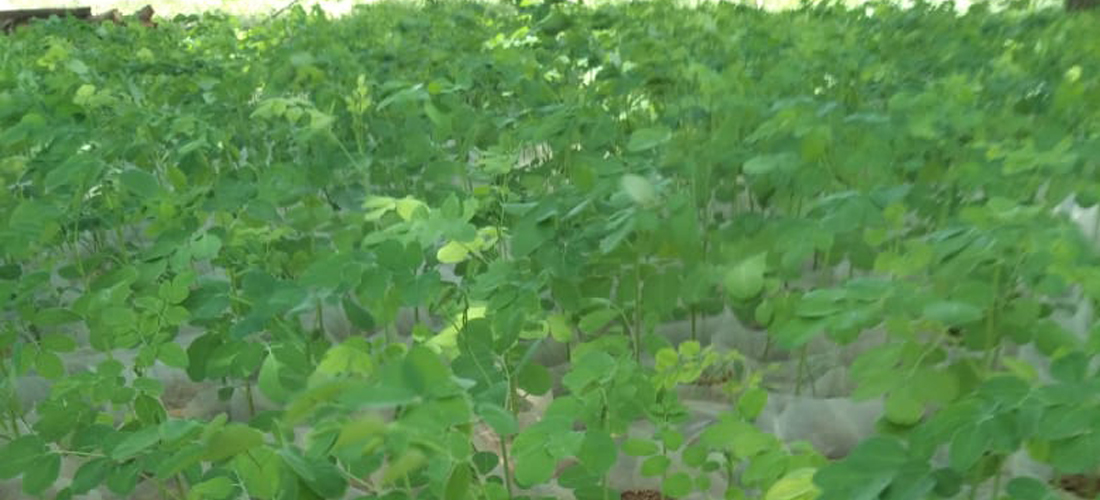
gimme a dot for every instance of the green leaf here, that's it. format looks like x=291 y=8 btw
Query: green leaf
x=452 y=253
x=1070 y=368
x=216 y=487
x=752 y=402
x=739 y=437
x=655 y=465
x=123 y=479
x=592 y=367
x=637 y=447
x=666 y=359
x=458 y=484
x=140 y=182
x=595 y=321
x=863 y=474
x=399 y=469
x=359 y=431
x=319 y=475
x=359 y=316
x=172 y=354
x=967 y=447
x=677 y=485
x=90 y=475
x=41 y=473
x=172 y=431
x=821 y=303
x=1029 y=488
x=598 y=452
x=534 y=466
x=135 y=443
x=745 y=280
x=695 y=455
x=951 y=313
x=268 y=381
x=648 y=138
x=179 y=460
x=149 y=410
x=903 y=409
x=55 y=316
x=18 y=455
x=58 y=343
x=230 y=441
x=485 y=461
x=534 y=379
x=500 y=420
x=1077 y=455
x=350 y=357
x=671 y=439
x=206 y=247
x=639 y=189
x=425 y=373
x=766 y=164
x=934 y=385
x=49 y=365
x=797 y=332
x=796 y=485
x=565 y=444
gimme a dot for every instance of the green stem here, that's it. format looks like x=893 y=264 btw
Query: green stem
x=694 y=332
x=801 y=367
x=507 y=465
x=251 y=400
x=320 y=321
x=637 y=333
x=991 y=354
x=997 y=483
x=729 y=470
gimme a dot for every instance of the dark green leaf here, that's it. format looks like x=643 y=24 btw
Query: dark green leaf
x=321 y=476
x=90 y=475
x=1028 y=488
x=41 y=473
x=135 y=443
x=140 y=182
x=534 y=379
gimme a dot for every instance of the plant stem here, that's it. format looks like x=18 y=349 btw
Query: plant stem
x=14 y=422
x=798 y=375
x=637 y=308
x=997 y=483
x=991 y=356
x=729 y=470
x=251 y=399
x=507 y=465
x=694 y=333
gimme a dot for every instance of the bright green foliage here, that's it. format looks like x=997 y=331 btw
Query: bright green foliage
x=534 y=177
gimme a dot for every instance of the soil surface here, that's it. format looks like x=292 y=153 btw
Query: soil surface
x=1080 y=485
